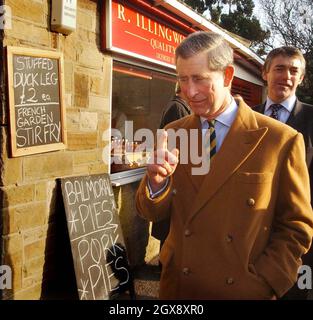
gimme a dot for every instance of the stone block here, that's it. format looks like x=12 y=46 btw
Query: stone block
x=12 y=259
x=107 y=65
x=33 y=267
x=35 y=234
x=104 y=129
x=68 y=100
x=89 y=56
x=85 y=157
x=34 y=250
x=88 y=5
x=11 y=172
x=4 y=142
x=99 y=103
x=82 y=141
x=98 y=168
x=94 y=37
x=32 y=280
x=72 y=120
x=56 y=164
x=32 y=293
x=83 y=35
x=81 y=170
x=23 y=217
x=81 y=90
x=84 y=19
x=88 y=121
x=15 y=195
x=68 y=77
x=21 y=30
x=12 y=249
x=41 y=191
x=32 y=11
x=97 y=85
x=70 y=47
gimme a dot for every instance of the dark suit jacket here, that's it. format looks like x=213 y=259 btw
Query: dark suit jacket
x=177 y=108
x=301 y=119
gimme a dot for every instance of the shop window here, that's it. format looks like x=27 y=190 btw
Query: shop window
x=251 y=93
x=138 y=97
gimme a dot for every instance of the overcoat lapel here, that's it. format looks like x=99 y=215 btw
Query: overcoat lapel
x=241 y=140
x=194 y=146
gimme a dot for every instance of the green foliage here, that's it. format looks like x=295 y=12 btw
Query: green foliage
x=239 y=19
x=197 y=5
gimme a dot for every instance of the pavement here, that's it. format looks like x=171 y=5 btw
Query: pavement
x=146 y=278
x=147 y=282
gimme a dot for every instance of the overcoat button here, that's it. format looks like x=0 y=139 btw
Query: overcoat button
x=187 y=233
x=229 y=238
x=174 y=191
x=251 y=202
x=186 y=271
x=230 y=281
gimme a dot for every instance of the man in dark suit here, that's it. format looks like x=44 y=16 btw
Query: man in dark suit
x=175 y=109
x=284 y=70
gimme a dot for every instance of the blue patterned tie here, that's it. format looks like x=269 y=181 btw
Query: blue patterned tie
x=275 y=108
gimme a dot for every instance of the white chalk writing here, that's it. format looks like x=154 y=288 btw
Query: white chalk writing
x=95 y=236
x=37 y=113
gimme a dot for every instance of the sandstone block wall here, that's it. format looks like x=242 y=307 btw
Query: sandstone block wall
x=30 y=199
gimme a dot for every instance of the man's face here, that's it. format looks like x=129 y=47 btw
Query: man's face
x=206 y=91
x=283 y=77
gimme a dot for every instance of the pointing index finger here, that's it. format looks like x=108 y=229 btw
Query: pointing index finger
x=163 y=140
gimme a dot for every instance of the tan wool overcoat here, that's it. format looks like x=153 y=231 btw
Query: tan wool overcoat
x=239 y=231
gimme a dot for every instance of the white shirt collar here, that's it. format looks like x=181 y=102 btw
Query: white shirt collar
x=288 y=104
x=228 y=116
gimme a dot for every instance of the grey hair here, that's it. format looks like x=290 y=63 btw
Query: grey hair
x=219 y=53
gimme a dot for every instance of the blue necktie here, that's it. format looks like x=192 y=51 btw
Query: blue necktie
x=275 y=108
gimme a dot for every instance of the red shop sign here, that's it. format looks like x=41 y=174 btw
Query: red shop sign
x=135 y=34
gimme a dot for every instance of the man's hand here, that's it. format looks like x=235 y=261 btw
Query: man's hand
x=162 y=164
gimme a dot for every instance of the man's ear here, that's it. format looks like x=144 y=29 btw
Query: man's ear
x=264 y=75
x=229 y=75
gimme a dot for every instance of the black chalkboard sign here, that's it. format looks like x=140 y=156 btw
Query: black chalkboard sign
x=98 y=248
x=37 y=114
